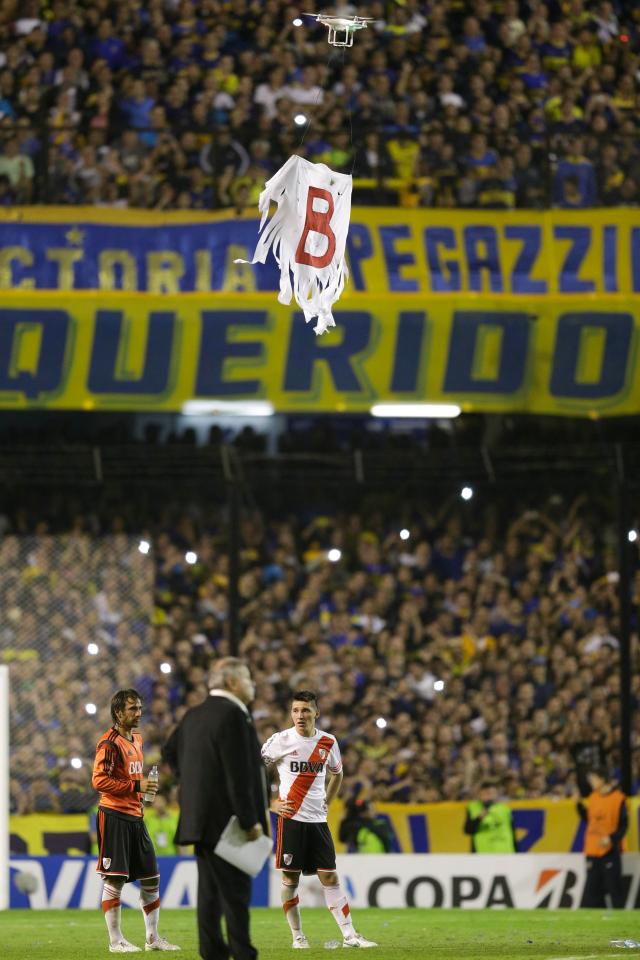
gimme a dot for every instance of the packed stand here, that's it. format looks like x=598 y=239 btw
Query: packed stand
x=469 y=649
x=185 y=105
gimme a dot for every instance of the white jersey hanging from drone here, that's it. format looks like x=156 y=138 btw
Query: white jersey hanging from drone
x=307 y=234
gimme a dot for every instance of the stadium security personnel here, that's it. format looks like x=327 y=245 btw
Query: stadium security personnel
x=162 y=824
x=364 y=830
x=605 y=811
x=489 y=823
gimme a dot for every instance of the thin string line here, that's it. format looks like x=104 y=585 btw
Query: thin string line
x=349 y=114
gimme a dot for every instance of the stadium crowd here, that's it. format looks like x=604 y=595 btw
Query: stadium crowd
x=192 y=105
x=474 y=647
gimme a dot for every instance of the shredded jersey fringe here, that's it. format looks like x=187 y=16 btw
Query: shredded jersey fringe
x=307 y=234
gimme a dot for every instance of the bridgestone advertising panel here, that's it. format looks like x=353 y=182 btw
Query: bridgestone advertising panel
x=530 y=881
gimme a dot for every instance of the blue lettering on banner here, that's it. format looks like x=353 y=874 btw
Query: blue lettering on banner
x=92 y=239
x=419 y=829
x=216 y=349
x=463 y=252
x=579 y=242
x=435 y=237
x=106 y=347
x=481 y=248
x=521 y=279
x=532 y=821
x=359 y=248
x=407 y=361
x=465 y=329
x=395 y=261
x=305 y=352
x=55 y=882
x=610 y=259
x=48 y=375
x=618 y=328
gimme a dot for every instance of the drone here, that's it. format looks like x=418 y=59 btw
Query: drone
x=341 y=29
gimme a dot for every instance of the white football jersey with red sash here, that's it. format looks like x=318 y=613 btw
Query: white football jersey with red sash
x=302 y=764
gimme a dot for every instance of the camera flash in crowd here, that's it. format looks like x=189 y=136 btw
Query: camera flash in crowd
x=466 y=493
x=381 y=723
x=404 y=534
x=76 y=763
x=93 y=649
x=438 y=686
x=191 y=557
x=300 y=119
x=165 y=667
x=144 y=546
x=90 y=708
x=334 y=555
x=632 y=536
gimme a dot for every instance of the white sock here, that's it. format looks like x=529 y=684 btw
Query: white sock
x=290 y=901
x=111 y=908
x=150 y=903
x=339 y=906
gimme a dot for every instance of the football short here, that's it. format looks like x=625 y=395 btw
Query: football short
x=125 y=848
x=304 y=846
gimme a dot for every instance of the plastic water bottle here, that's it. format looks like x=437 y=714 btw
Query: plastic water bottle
x=153 y=777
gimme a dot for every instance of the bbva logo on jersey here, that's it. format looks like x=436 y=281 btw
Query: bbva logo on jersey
x=135 y=767
x=306 y=766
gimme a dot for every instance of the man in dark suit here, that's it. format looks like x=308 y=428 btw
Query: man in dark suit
x=215 y=754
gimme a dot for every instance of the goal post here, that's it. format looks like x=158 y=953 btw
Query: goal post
x=4 y=788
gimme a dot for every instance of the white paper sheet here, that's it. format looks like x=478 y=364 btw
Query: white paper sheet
x=247 y=855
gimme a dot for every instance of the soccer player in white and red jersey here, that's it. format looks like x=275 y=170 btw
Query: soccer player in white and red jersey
x=310 y=769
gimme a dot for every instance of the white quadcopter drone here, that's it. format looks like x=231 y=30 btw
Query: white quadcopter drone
x=341 y=29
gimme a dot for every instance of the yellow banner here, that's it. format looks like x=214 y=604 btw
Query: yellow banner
x=38 y=834
x=542 y=826
x=571 y=355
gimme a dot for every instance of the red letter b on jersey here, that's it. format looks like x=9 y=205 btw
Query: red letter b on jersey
x=318 y=222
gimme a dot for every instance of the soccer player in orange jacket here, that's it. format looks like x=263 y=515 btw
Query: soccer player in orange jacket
x=125 y=848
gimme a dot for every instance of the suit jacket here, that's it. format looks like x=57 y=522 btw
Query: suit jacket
x=215 y=754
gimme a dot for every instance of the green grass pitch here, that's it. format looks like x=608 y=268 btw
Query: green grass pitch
x=401 y=934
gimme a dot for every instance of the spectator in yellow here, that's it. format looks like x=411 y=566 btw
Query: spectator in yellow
x=403 y=151
x=245 y=190
x=587 y=52
x=225 y=77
